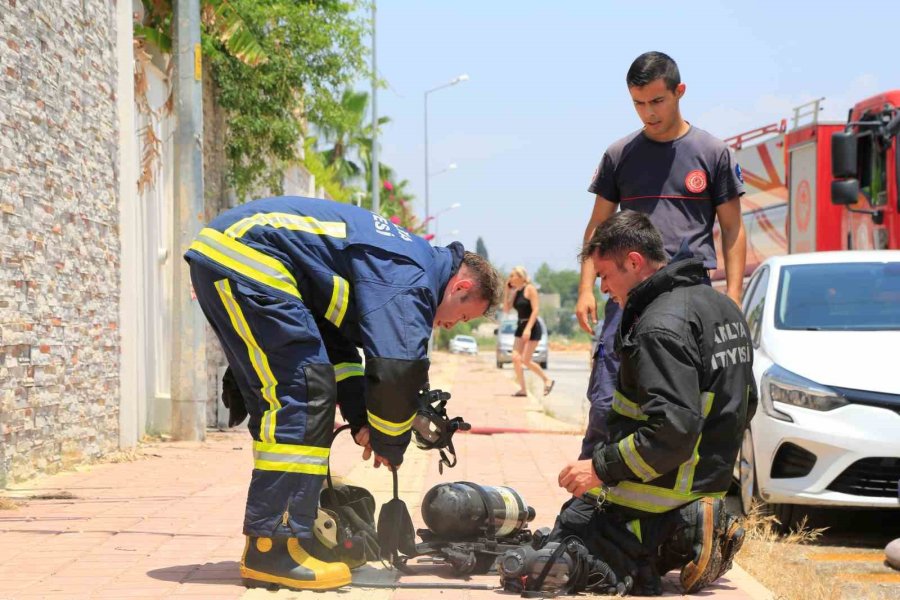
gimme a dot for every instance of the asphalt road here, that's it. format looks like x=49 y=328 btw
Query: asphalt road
x=567 y=402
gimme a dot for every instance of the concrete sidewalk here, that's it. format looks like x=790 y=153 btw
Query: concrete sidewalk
x=167 y=524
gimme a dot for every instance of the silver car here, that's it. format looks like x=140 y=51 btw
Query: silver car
x=506 y=338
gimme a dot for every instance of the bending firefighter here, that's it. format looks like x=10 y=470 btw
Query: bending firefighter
x=292 y=286
x=684 y=394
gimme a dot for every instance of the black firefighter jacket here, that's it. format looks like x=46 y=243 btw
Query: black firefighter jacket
x=684 y=394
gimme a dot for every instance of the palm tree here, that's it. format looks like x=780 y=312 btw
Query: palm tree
x=351 y=151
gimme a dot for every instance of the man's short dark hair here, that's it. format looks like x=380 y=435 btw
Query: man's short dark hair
x=486 y=276
x=651 y=66
x=624 y=232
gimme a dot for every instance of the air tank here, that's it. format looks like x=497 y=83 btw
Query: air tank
x=461 y=511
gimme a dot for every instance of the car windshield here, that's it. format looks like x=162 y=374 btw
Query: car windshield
x=508 y=327
x=839 y=296
x=465 y=338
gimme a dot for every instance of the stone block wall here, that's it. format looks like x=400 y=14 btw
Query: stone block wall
x=59 y=244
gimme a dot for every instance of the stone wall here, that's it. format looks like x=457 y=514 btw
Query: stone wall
x=59 y=245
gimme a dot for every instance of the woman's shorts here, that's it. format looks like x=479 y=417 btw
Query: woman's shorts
x=536 y=330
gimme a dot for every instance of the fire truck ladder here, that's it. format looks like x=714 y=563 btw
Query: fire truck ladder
x=810 y=109
x=738 y=140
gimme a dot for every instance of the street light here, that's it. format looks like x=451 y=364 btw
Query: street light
x=450 y=167
x=460 y=79
x=437 y=215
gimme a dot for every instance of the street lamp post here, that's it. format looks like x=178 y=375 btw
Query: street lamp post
x=453 y=82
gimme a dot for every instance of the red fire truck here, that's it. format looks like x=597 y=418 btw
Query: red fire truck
x=821 y=186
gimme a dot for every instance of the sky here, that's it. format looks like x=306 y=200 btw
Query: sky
x=547 y=95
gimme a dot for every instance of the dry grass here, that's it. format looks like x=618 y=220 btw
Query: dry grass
x=121 y=456
x=778 y=561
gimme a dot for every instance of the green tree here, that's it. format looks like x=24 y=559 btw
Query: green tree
x=481 y=249
x=564 y=282
x=277 y=64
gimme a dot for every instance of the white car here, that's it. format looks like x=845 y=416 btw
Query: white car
x=463 y=344
x=826 y=328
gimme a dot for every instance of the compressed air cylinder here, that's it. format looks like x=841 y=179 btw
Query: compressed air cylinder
x=456 y=511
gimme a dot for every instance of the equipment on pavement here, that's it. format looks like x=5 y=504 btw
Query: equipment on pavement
x=470 y=525
x=396 y=533
x=345 y=522
x=345 y=525
x=462 y=511
x=433 y=430
x=565 y=567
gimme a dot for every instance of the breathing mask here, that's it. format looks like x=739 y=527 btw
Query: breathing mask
x=433 y=429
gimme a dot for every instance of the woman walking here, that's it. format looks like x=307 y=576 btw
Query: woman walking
x=522 y=296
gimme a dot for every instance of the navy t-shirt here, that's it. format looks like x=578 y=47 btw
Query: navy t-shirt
x=678 y=184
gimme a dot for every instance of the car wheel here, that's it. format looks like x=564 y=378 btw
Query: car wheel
x=543 y=365
x=788 y=515
x=499 y=365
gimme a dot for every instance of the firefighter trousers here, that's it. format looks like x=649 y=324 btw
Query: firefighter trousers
x=281 y=366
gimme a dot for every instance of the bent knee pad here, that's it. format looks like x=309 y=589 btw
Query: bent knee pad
x=321 y=390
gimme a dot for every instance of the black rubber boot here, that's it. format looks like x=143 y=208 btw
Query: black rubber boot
x=284 y=562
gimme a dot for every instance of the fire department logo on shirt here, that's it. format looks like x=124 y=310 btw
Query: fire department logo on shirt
x=695 y=182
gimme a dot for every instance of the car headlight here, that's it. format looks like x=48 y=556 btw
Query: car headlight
x=780 y=385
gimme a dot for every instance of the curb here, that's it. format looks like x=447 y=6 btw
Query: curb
x=747 y=582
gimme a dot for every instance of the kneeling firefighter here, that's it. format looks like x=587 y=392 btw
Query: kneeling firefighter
x=292 y=286
x=650 y=499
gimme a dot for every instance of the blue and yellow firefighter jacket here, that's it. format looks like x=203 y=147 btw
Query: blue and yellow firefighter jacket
x=377 y=284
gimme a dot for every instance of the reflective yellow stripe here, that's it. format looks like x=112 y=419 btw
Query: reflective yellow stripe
x=635 y=528
x=336 y=229
x=650 y=498
x=634 y=460
x=389 y=427
x=245 y=260
x=685 y=479
x=346 y=370
x=627 y=408
x=257 y=358
x=290 y=458
x=340 y=297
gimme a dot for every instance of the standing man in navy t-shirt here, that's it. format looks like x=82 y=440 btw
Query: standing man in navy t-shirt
x=683 y=178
